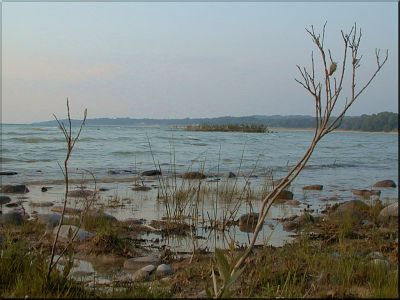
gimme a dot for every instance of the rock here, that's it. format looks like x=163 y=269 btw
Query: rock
x=298 y=222
x=390 y=211
x=140 y=275
x=103 y=189
x=82 y=235
x=149 y=268
x=51 y=220
x=366 y=193
x=44 y=189
x=314 y=187
x=13 y=204
x=193 y=175
x=11 y=218
x=4 y=200
x=248 y=219
x=8 y=173
x=285 y=195
x=41 y=204
x=355 y=209
x=81 y=193
x=385 y=184
x=293 y=202
x=132 y=263
x=100 y=214
x=20 y=188
x=164 y=270
x=68 y=210
x=151 y=173
x=231 y=175
x=141 y=188
x=367 y=224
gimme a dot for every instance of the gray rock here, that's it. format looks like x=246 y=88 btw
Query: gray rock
x=82 y=235
x=376 y=255
x=164 y=270
x=231 y=175
x=20 y=188
x=11 y=218
x=390 y=211
x=367 y=223
x=354 y=209
x=4 y=200
x=101 y=214
x=149 y=268
x=133 y=263
x=51 y=220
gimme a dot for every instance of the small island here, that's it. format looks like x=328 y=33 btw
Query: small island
x=258 y=128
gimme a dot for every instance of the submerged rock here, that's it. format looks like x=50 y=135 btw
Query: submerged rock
x=314 y=187
x=385 y=184
x=68 y=210
x=151 y=173
x=285 y=195
x=292 y=202
x=81 y=193
x=231 y=175
x=193 y=175
x=41 y=204
x=141 y=188
x=18 y=189
x=248 y=222
x=8 y=173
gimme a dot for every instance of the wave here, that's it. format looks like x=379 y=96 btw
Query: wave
x=34 y=140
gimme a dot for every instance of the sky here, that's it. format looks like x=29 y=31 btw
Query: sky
x=178 y=60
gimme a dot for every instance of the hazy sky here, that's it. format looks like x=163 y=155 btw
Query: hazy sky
x=177 y=60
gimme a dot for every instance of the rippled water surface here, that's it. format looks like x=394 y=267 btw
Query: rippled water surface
x=115 y=155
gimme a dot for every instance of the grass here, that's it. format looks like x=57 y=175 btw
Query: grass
x=258 y=128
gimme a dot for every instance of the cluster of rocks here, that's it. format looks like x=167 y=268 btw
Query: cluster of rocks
x=153 y=266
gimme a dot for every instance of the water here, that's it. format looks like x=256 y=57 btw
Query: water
x=341 y=162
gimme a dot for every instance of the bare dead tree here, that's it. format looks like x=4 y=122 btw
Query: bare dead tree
x=70 y=140
x=326 y=95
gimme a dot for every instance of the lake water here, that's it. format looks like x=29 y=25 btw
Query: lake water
x=115 y=155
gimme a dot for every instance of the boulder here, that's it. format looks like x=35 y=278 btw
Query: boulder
x=11 y=218
x=82 y=235
x=355 y=209
x=385 y=184
x=366 y=193
x=8 y=173
x=313 y=187
x=164 y=270
x=44 y=189
x=193 y=175
x=142 y=188
x=297 y=222
x=390 y=211
x=19 y=189
x=81 y=193
x=4 y=200
x=285 y=195
x=151 y=173
x=248 y=222
x=50 y=220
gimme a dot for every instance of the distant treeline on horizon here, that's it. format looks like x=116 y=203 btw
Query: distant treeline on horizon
x=384 y=121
